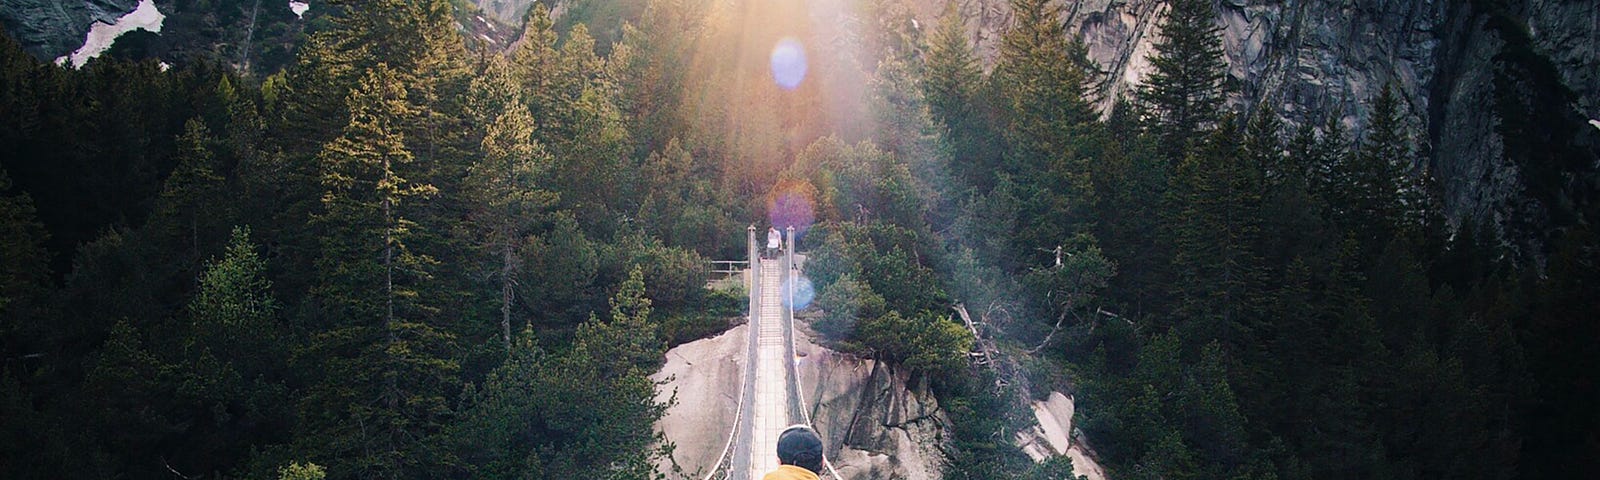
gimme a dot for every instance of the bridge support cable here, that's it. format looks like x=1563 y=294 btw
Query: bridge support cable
x=724 y=468
x=770 y=398
x=798 y=412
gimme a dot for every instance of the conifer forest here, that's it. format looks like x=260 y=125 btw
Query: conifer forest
x=394 y=244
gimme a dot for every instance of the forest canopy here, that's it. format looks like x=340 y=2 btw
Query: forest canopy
x=409 y=254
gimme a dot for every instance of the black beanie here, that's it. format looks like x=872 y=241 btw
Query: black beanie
x=799 y=446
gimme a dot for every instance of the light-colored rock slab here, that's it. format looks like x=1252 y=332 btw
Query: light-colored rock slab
x=1052 y=436
x=704 y=374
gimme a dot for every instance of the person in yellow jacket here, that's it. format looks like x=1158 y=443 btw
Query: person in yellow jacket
x=799 y=455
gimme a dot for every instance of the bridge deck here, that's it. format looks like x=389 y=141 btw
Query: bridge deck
x=771 y=399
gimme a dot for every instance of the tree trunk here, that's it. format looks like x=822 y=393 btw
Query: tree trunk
x=388 y=287
x=506 y=267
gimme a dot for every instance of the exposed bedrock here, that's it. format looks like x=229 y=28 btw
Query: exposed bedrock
x=52 y=28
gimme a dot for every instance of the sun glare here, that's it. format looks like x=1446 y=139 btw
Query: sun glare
x=788 y=63
x=791 y=204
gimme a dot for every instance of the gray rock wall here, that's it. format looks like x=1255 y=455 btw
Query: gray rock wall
x=52 y=28
x=508 y=12
x=703 y=378
x=874 y=424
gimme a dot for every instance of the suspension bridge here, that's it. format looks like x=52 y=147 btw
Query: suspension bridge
x=770 y=397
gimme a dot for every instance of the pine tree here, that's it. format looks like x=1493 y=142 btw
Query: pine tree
x=568 y=265
x=1131 y=182
x=627 y=342
x=951 y=81
x=1211 y=418
x=193 y=192
x=387 y=368
x=1291 y=217
x=570 y=414
x=23 y=258
x=234 y=311
x=1330 y=150
x=312 y=98
x=1373 y=195
x=577 y=115
x=127 y=402
x=903 y=126
x=1183 y=96
x=651 y=66
x=1384 y=166
x=681 y=205
x=951 y=75
x=437 y=77
x=502 y=182
x=590 y=171
x=537 y=63
x=229 y=373
x=1042 y=77
x=1215 y=226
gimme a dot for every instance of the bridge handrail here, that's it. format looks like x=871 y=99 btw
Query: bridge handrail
x=731 y=265
x=726 y=458
x=798 y=397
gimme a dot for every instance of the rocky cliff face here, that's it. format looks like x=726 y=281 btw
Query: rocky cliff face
x=251 y=35
x=704 y=377
x=875 y=424
x=258 y=36
x=1053 y=435
x=52 y=28
x=508 y=12
x=1458 y=65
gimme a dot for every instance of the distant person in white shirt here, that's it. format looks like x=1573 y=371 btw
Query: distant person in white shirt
x=774 y=242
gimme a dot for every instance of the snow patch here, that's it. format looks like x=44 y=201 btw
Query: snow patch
x=299 y=8
x=1596 y=123
x=165 y=66
x=102 y=35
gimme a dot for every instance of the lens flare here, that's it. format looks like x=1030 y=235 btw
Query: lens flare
x=802 y=293
x=789 y=63
x=791 y=204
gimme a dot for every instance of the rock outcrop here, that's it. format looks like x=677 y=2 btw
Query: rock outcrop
x=875 y=425
x=257 y=36
x=51 y=28
x=507 y=12
x=704 y=377
x=1053 y=435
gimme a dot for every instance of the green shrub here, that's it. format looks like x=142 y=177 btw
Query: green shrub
x=926 y=343
x=844 y=303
